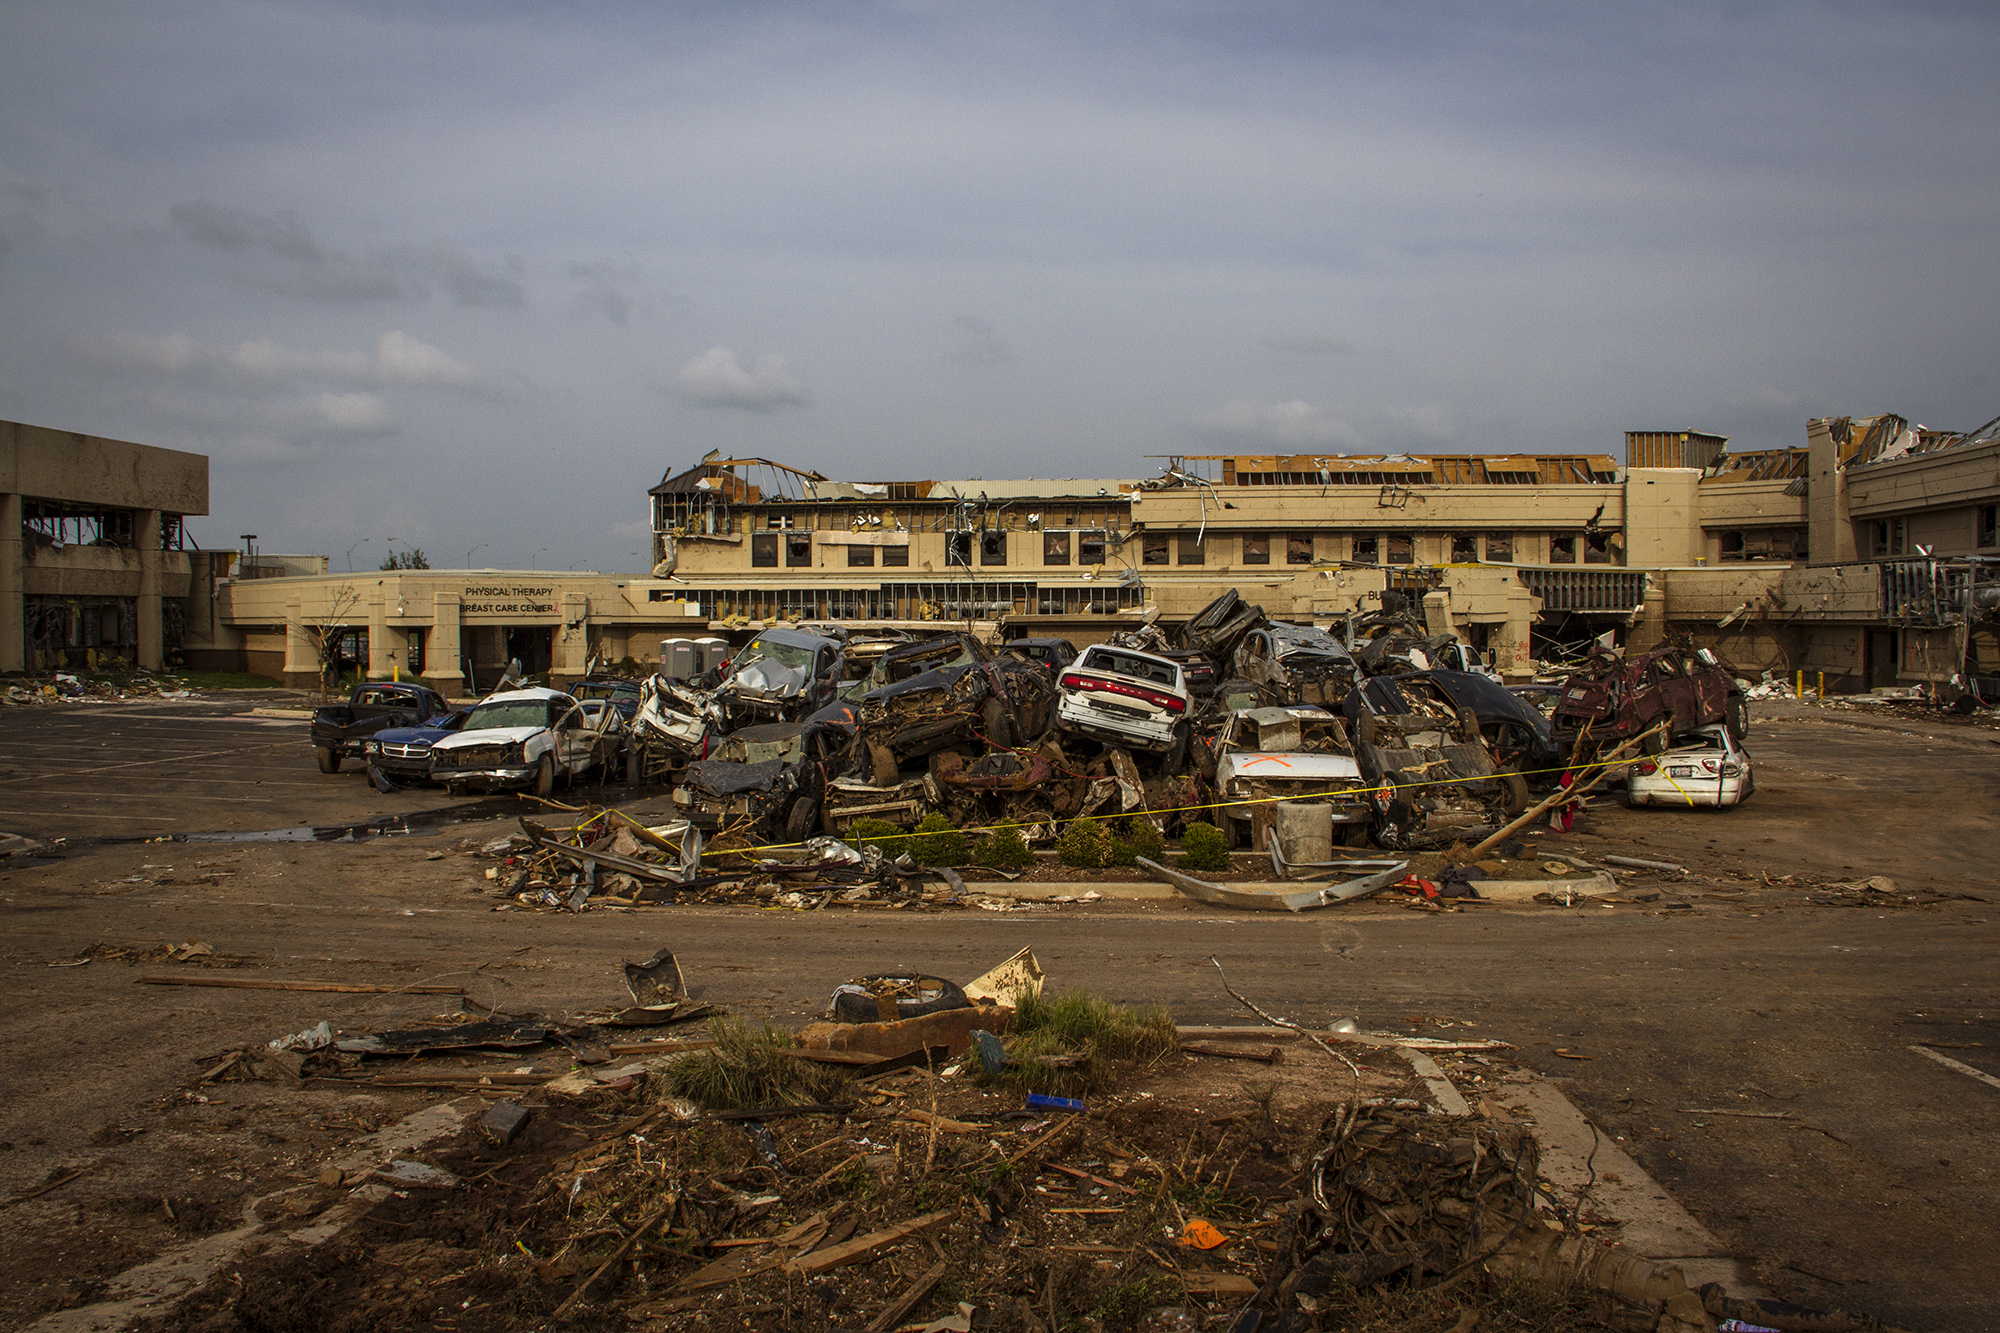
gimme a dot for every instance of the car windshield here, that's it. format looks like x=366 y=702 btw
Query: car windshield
x=770 y=650
x=607 y=689
x=1131 y=664
x=513 y=713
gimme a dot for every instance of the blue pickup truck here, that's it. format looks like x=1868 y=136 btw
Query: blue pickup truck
x=404 y=753
x=339 y=731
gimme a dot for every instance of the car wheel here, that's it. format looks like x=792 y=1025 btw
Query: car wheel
x=998 y=726
x=1176 y=754
x=1513 y=795
x=803 y=819
x=635 y=765
x=329 y=762
x=1736 y=716
x=455 y=790
x=545 y=776
x=1354 y=835
x=882 y=765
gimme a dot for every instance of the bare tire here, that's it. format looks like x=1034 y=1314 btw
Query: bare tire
x=803 y=819
x=1736 y=716
x=883 y=765
x=1354 y=835
x=1513 y=794
x=545 y=776
x=635 y=764
x=329 y=762
x=1657 y=742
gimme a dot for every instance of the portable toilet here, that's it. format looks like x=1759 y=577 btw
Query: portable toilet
x=711 y=653
x=679 y=659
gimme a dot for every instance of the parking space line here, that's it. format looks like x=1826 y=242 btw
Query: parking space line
x=1960 y=1066
x=146 y=763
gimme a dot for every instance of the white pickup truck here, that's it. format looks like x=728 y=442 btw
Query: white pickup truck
x=527 y=738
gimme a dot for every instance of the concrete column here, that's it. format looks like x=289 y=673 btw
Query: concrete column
x=1515 y=650
x=152 y=633
x=13 y=611
x=301 y=655
x=572 y=648
x=1649 y=630
x=441 y=650
x=380 y=644
x=1829 y=530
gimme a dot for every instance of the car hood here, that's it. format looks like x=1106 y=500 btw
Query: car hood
x=768 y=679
x=716 y=777
x=491 y=736
x=1287 y=767
x=940 y=678
x=411 y=735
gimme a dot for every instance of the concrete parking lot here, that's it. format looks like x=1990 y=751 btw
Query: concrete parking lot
x=1862 y=1178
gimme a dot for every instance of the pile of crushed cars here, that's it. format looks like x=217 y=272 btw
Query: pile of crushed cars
x=808 y=729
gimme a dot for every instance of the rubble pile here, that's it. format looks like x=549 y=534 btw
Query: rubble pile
x=63 y=687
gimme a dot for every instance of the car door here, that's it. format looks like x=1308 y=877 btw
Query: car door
x=572 y=737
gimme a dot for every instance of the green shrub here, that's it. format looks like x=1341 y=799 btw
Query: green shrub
x=1138 y=838
x=746 y=1067
x=1084 y=844
x=1005 y=849
x=1204 y=848
x=1066 y=1044
x=937 y=843
x=872 y=832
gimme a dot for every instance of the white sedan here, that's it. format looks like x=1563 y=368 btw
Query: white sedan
x=1706 y=767
x=1124 y=697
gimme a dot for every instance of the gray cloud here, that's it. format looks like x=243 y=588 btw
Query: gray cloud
x=260 y=366
x=1311 y=344
x=22 y=211
x=1296 y=425
x=717 y=379
x=977 y=344
x=299 y=265
x=609 y=287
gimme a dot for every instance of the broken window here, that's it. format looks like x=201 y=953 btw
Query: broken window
x=958 y=548
x=1499 y=546
x=896 y=555
x=1153 y=549
x=1090 y=548
x=798 y=550
x=1402 y=548
x=1889 y=537
x=1256 y=548
x=1562 y=548
x=860 y=557
x=764 y=550
x=1464 y=548
x=1762 y=544
x=992 y=548
x=1298 y=548
x=1055 y=548
x=1193 y=551
x=1989 y=525
x=1367 y=550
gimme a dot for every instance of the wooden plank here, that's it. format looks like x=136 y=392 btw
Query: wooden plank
x=1095 y=1180
x=944 y=1123
x=863 y=1246
x=1084 y=1211
x=894 y=1312
x=1219 y=1284
x=342 y=987
x=833 y=1057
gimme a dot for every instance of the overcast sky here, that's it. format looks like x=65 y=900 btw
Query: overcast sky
x=478 y=273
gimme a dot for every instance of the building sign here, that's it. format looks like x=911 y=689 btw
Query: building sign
x=507 y=599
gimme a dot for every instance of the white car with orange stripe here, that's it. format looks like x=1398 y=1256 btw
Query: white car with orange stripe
x=1707 y=766
x=1265 y=755
x=1125 y=697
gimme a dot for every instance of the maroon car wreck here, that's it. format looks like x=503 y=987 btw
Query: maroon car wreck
x=1614 y=700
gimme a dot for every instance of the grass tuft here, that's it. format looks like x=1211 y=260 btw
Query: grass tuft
x=745 y=1069
x=1070 y=1043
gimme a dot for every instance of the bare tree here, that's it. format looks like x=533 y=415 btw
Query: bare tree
x=326 y=627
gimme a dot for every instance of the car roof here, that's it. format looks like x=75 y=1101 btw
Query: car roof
x=1133 y=652
x=533 y=694
x=797 y=637
x=1284 y=713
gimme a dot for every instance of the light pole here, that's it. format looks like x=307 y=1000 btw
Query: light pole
x=475 y=551
x=536 y=556
x=350 y=554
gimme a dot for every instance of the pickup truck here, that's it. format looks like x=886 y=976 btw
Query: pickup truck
x=527 y=738
x=339 y=731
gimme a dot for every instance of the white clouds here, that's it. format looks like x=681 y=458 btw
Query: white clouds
x=352 y=413
x=401 y=359
x=717 y=379
x=260 y=364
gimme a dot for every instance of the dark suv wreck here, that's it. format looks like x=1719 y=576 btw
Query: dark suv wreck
x=765 y=781
x=1303 y=664
x=1425 y=756
x=945 y=691
x=781 y=675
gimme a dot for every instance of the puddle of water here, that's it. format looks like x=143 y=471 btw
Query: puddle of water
x=425 y=821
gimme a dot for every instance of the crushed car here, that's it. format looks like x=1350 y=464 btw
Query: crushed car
x=1426 y=758
x=404 y=753
x=670 y=729
x=780 y=676
x=1052 y=654
x=1614 y=700
x=1305 y=665
x=948 y=690
x=1709 y=767
x=1123 y=697
x=1517 y=734
x=340 y=730
x=1269 y=754
x=621 y=693
x=525 y=739
x=763 y=782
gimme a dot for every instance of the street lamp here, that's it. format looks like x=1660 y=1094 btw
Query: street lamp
x=536 y=556
x=350 y=554
x=475 y=551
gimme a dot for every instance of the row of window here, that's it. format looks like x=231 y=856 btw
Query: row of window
x=1891 y=536
x=1088 y=546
